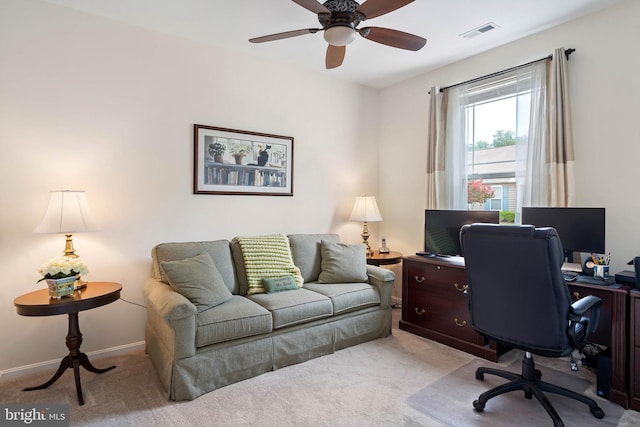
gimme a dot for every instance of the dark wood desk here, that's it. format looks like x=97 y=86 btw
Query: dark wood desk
x=611 y=332
x=433 y=306
x=634 y=351
x=38 y=303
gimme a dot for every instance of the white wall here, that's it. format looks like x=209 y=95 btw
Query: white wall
x=605 y=95
x=88 y=103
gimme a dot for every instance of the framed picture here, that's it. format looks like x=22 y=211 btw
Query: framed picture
x=229 y=161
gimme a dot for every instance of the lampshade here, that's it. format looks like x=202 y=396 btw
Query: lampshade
x=365 y=209
x=340 y=35
x=68 y=212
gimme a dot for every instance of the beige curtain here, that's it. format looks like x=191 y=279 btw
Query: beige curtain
x=555 y=167
x=436 y=148
x=560 y=156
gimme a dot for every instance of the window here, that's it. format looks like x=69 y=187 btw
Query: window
x=496 y=115
x=510 y=132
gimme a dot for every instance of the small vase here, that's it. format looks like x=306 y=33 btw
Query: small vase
x=59 y=288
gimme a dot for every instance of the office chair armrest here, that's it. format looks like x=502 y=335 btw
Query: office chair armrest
x=584 y=305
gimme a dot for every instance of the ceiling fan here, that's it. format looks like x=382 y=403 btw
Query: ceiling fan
x=339 y=19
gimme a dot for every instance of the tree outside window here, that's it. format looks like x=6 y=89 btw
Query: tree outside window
x=478 y=193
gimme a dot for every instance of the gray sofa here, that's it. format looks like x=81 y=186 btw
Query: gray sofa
x=196 y=351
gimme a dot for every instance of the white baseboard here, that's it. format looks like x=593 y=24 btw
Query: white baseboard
x=52 y=365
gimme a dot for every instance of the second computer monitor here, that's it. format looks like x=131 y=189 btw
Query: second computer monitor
x=579 y=229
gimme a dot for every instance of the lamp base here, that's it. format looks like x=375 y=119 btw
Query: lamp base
x=365 y=236
x=80 y=284
x=68 y=247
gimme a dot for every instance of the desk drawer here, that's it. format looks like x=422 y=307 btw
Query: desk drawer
x=441 y=308
x=436 y=274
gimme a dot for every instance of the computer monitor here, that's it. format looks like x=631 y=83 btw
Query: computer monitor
x=579 y=229
x=442 y=228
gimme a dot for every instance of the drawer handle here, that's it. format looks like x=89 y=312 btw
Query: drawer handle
x=576 y=295
x=420 y=310
x=419 y=279
x=459 y=323
x=460 y=288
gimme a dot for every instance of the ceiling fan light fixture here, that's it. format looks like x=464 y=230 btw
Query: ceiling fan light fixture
x=340 y=35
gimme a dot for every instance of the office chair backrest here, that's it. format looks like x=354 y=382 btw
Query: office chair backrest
x=517 y=292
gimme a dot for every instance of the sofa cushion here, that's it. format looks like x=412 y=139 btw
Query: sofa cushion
x=305 y=251
x=347 y=296
x=279 y=284
x=293 y=307
x=342 y=263
x=198 y=280
x=217 y=249
x=236 y=318
x=266 y=256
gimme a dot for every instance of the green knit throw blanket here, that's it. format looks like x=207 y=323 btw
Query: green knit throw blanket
x=267 y=257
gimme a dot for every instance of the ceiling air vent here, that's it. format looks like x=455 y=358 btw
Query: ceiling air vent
x=480 y=30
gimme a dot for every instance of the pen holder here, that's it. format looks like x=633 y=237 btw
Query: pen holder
x=601 y=271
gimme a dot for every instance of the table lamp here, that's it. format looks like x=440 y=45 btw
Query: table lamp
x=68 y=212
x=366 y=209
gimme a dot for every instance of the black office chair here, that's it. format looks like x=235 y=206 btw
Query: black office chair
x=518 y=297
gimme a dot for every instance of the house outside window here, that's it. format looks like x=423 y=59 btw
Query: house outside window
x=496 y=115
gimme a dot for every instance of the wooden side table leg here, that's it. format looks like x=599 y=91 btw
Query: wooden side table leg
x=73 y=360
x=76 y=374
x=84 y=362
x=64 y=365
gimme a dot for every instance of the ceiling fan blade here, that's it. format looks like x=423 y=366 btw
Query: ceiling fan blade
x=313 y=6
x=335 y=56
x=393 y=38
x=372 y=8
x=285 y=35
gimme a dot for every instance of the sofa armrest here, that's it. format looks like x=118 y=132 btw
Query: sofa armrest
x=383 y=279
x=172 y=317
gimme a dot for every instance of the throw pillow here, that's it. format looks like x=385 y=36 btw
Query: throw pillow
x=198 y=280
x=277 y=284
x=266 y=257
x=342 y=263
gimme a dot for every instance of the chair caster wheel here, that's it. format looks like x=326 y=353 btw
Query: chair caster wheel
x=479 y=376
x=538 y=374
x=478 y=406
x=597 y=412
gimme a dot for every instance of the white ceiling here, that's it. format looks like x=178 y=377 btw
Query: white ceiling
x=230 y=23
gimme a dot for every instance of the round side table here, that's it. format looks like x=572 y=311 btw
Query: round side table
x=38 y=303
x=384 y=259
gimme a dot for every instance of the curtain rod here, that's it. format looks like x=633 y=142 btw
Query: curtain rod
x=497 y=73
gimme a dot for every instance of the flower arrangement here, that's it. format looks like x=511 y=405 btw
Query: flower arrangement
x=217 y=149
x=61 y=267
x=240 y=149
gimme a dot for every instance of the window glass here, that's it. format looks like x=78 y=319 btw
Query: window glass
x=496 y=115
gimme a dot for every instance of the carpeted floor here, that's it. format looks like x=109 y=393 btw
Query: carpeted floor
x=372 y=384
x=448 y=400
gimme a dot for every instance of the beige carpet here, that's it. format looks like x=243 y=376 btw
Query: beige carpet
x=449 y=400
x=366 y=385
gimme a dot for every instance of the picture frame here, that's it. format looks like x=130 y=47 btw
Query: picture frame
x=231 y=161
